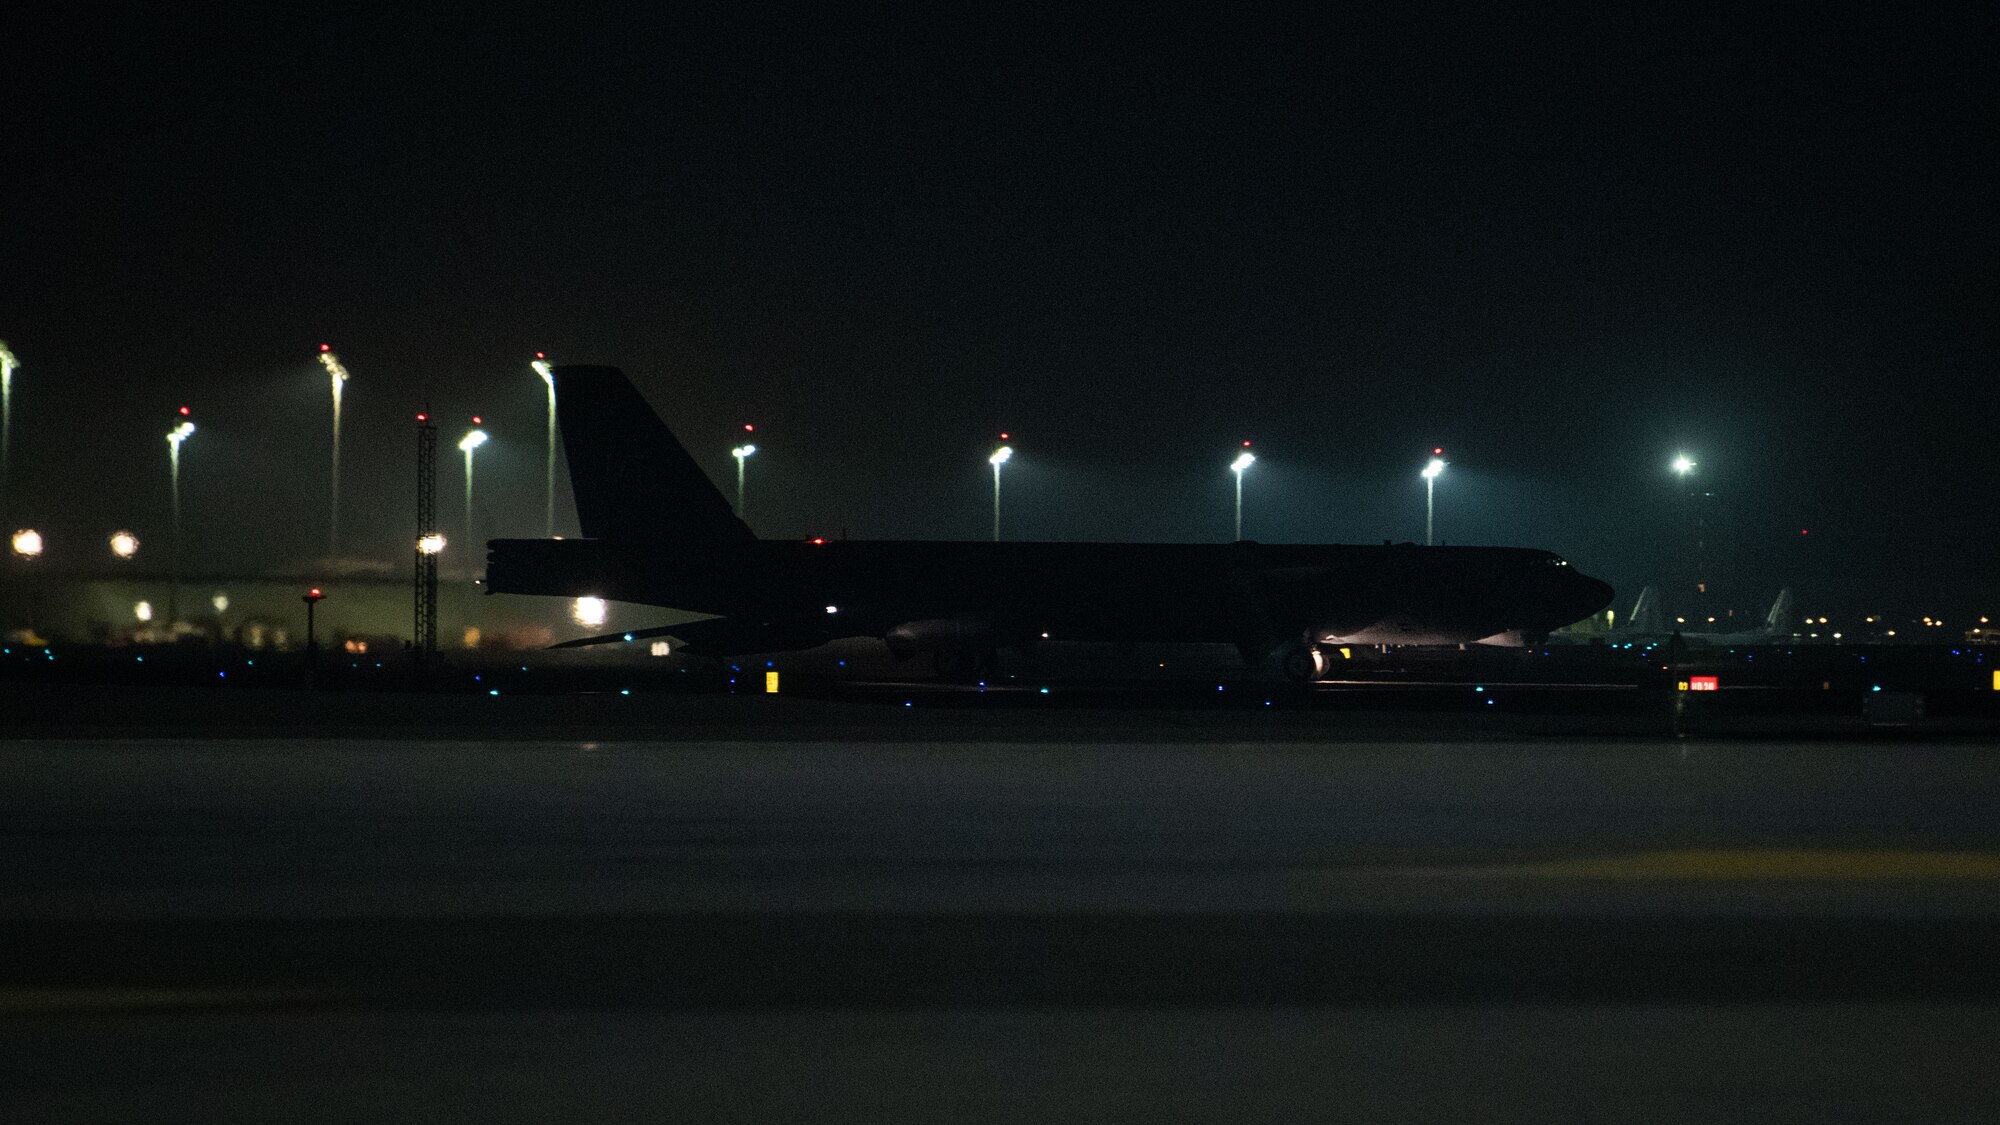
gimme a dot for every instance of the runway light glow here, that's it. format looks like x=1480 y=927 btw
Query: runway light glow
x=143 y=611
x=589 y=611
x=124 y=544
x=27 y=543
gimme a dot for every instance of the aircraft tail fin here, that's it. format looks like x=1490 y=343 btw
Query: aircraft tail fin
x=1647 y=616
x=633 y=479
x=1778 y=622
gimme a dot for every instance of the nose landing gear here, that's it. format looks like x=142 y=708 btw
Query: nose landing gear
x=1304 y=663
x=964 y=664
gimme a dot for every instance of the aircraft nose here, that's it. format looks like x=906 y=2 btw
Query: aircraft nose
x=1590 y=595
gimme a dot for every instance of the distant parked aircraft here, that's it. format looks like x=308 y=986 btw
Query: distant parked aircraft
x=1648 y=625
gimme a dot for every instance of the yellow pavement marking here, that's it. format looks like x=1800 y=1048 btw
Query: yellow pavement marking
x=1767 y=864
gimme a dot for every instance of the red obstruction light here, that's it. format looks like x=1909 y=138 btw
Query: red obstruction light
x=748 y=428
x=1246 y=445
x=423 y=417
x=539 y=355
x=184 y=412
x=314 y=594
x=1005 y=437
x=1437 y=451
x=326 y=347
x=818 y=541
x=476 y=421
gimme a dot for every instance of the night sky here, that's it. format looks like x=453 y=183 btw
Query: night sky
x=1562 y=246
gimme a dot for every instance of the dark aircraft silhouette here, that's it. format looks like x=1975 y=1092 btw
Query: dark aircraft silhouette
x=658 y=532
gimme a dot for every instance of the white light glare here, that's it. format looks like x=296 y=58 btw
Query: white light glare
x=833 y=609
x=124 y=544
x=27 y=543
x=1684 y=464
x=742 y=451
x=431 y=544
x=547 y=373
x=220 y=602
x=1001 y=455
x=1432 y=470
x=180 y=434
x=143 y=611
x=1243 y=461
x=660 y=648
x=472 y=440
x=589 y=611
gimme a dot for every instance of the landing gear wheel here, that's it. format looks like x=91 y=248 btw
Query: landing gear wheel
x=1304 y=664
x=956 y=664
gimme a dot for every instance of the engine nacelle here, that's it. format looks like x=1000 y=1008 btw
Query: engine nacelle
x=939 y=634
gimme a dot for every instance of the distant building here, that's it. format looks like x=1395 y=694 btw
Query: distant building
x=264 y=612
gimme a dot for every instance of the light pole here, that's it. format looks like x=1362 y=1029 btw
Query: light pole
x=7 y=365
x=311 y=599
x=472 y=440
x=338 y=375
x=1243 y=461
x=28 y=545
x=1431 y=472
x=175 y=437
x=1684 y=467
x=548 y=374
x=742 y=453
x=1000 y=457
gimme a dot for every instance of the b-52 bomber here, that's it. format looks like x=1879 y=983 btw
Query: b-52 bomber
x=658 y=532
